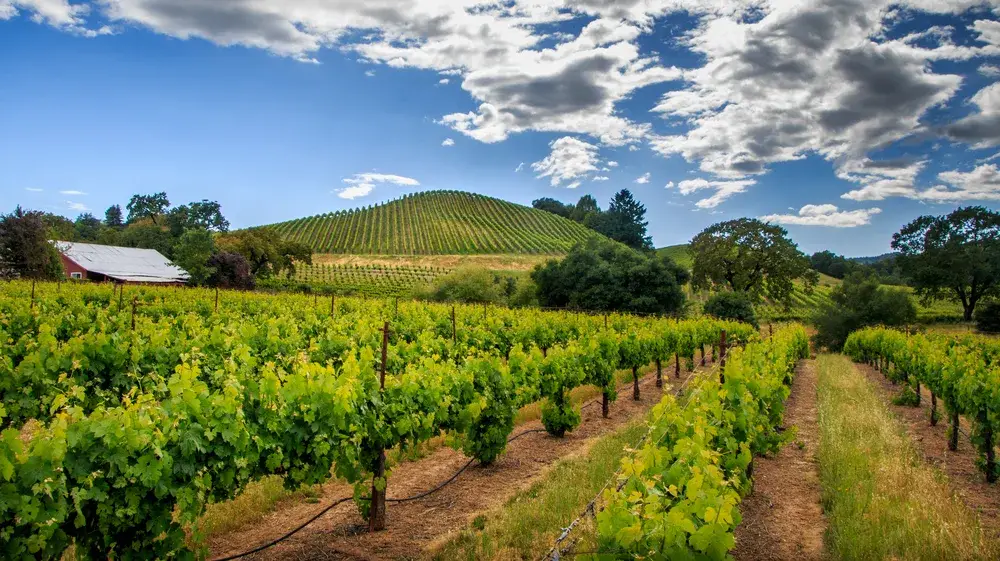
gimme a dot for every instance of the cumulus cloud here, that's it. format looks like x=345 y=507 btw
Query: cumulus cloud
x=78 y=207
x=982 y=128
x=724 y=189
x=990 y=70
x=443 y=81
x=72 y=192
x=612 y=164
x=980 y=184
x=880 y=179
x=448 y=142
x=56 y=13
x=643 y=179
x=569 y=159
x=825 y=215
x=362 y=184
x=601 y=178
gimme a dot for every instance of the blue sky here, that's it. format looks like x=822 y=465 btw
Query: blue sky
x=840 y=119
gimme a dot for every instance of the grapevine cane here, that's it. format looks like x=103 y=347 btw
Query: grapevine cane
x=376 y=519
x=677 y=365
x=934 y=414
x=703 y=354
x=659 y=374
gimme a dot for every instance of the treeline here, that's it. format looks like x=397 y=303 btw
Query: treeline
x=193 y=236
x=885 y=267
x=624 y=221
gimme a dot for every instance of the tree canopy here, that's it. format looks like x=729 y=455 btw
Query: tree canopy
x=607 y=276
x=147 y=206
x=858 y=302
x=955 y=256
x=752 y=257
x=25 y=250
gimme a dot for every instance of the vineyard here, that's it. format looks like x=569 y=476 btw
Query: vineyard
x=125 y=414
x=370 y=280
x=437 y=222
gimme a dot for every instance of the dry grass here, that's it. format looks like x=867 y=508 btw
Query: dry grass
x=882 y=501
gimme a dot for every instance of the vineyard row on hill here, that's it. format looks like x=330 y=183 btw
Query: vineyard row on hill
x=124 y=419
x=437 y=222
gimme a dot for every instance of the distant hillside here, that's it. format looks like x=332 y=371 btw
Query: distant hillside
x=438 y=223
x=681 y=254
x=871 y=260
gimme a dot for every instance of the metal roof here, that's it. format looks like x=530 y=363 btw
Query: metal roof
x=123 y=263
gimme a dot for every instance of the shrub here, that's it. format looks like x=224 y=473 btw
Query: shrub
x=732 y=306
x=988 y=318
x=858 y=302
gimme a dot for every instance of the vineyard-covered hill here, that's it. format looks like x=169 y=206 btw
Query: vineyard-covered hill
x=437 y=222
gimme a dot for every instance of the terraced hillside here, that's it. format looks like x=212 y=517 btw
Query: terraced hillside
x=437 y=222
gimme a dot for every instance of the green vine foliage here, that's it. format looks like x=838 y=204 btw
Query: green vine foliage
x=115 y=439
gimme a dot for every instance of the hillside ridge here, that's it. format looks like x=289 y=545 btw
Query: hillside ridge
x=437 y=223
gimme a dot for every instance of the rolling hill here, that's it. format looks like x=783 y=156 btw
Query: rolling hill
x=437 y=223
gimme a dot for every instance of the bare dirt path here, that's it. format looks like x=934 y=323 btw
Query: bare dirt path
x=782 y=517
x=414 y=526
x=964 y=477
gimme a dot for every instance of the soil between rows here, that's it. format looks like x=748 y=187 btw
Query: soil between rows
x=782 y=517
x=414 y=528
x=964 y=478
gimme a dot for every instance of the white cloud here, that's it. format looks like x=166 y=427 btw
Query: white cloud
x=612 y=164
x=880 y=179
x=723 y=189
x=669 y=185
x=570 y=159
x=643 y=179
x=79 y=207
x=72 y=193
x=980 y=184
x=825 y=215
x=982 y=128
x=362 y=184
x=370 y=73
x=633 y=148
x=443 y=81
x=33 y=189
x=519 y=167
x=601 y=178
x=990 y=70
x=573 y=185
x=56 y=13
x=448 y=142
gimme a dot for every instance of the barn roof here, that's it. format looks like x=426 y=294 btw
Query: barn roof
x=123 y=263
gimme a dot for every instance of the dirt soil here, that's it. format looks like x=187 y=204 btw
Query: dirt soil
x=414 y=527
x=782 y=517
x=964 y=477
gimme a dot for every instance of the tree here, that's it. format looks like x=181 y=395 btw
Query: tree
x=551 y=205
x=624 y=221
x=857 y=302
x=147 y=206
x=113 y=217
x=829 y=263
x=607 y=276
x=955 y=256
x=752 y=257
x=147 y=235
x=87 y=228
x=25 y=250
x=192 y=252
x=731 y=306
x=230 y=270
x=585 y=207
x=466 y=284
x=266 y=252
x=206 y=215
x=58 y=227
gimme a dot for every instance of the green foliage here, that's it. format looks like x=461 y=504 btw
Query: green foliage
x=25 y=250
x=677 y=496
x=147 y=235
x=113 y=217
x=859 y=302
x=229 y=270
x=147 y=206
x=549 y=204
x=471 y=285
x=192 y=253
x=624 y=221
x=87 y=228
x=204 y=215
x=750 y=256
x=267 y=253
x=606 y=276
x=559 y=415
x=988 y=318
x=731 y=305
x=907 y=397
x=437 y=222
x=955 y=256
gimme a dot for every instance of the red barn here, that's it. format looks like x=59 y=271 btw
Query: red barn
x=119 y=264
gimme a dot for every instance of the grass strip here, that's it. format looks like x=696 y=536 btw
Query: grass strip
x=881 y=500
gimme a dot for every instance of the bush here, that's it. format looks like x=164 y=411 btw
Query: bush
x=988 y=318
x=858 y=302
x=559 y=415
x=731 y=306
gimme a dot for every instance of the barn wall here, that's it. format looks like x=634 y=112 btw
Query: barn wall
x=70 y=266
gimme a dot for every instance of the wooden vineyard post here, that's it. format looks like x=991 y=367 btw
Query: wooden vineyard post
x=659 y=374
x=121 y=292
x=722 y=357
x=315 y=299
x=135 y=302
x=703 y=354
x=635 y=383
x=605 y=321
x=333 y=304
x=376 y=513
x=217 y=299
x=677 y=365
x=953 y=437
x=454 y=329
x=934 y=414
x=770 y=330
x=32 y=305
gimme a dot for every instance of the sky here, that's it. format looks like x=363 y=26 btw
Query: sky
x=841 y=120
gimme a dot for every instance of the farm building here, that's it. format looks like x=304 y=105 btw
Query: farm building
x=101 y=263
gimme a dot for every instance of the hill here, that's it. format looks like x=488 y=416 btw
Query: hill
x=680 y=254
x=438 y=223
